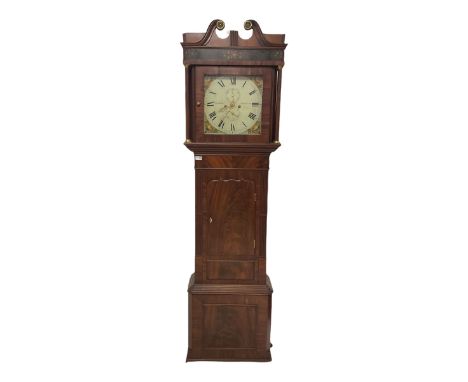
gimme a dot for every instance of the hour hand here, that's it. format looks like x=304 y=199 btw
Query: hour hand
x=234 y=114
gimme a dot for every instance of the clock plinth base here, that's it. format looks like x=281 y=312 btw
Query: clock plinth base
x=229 y=322
x=264 y=358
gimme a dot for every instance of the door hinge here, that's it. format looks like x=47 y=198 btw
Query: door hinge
x=255 y=197
x=254 y=243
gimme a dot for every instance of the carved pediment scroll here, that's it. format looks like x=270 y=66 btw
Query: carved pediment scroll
x=260 y=48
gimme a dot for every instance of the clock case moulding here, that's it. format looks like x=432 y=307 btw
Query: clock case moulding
x=230 y=292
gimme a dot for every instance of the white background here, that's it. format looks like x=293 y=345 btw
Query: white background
x=368 y=211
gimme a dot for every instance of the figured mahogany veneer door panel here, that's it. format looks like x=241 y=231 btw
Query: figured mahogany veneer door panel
x=229 y=326
x=230 y=207
x=231 y=270
x=231 y=219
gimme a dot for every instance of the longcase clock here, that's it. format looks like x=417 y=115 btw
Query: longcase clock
x=232 y=109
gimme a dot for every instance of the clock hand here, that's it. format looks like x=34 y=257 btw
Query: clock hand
x=234 y=114
x=222 y=109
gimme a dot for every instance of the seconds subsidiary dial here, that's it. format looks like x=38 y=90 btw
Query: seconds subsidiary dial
x=233 y=105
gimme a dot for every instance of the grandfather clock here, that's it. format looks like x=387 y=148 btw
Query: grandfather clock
x=232 y=109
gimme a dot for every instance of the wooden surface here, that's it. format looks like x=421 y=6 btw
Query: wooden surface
x=231 y=190
x=229 y=322
x=230 y=293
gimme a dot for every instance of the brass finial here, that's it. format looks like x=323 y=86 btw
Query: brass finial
x=248 y=25
x=220 y=25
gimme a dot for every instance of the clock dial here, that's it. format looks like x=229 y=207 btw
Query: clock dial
x=233 y=105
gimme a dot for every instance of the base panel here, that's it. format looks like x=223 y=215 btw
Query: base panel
x=229 y=322
x=225 y=358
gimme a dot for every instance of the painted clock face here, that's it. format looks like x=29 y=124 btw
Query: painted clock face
x=233 y=105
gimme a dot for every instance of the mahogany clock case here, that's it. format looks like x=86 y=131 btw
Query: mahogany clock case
x=230 y=293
